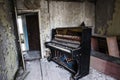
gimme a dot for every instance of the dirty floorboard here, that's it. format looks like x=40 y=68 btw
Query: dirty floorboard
x=44 y=70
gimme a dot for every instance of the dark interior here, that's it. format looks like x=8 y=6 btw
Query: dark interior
x=33 y=31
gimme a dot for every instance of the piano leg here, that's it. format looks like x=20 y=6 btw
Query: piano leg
x=51 y=55
x=78 y=74
x=80 y=71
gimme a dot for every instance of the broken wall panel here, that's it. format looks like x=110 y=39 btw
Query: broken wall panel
x=8 y=51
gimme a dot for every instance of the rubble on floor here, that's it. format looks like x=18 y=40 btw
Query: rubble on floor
x=41 y=69
x=44 y=70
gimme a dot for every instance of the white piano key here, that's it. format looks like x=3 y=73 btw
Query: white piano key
x=61 y=48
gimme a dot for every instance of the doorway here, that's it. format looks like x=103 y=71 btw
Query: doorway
x=33 y=31
x=28 y=26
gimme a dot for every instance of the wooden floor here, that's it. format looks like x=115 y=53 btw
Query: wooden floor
x=44 y=70
x=52 y=71
x=34 y=68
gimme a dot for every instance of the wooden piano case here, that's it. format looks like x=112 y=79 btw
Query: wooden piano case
x=70 y=48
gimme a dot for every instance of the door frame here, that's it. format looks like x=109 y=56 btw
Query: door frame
x=39 y=21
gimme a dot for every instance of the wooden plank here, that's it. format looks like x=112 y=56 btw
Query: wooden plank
x=106 y=67
x=113 y=46
x=23 y=76
x=94 y=44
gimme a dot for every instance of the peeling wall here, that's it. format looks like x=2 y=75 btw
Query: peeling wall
x=114 y=24
x=107 y=17
x=28 y=4
x=45 y=25
x=8 y=53
x=69 y=14
x=66 y=14
x=61 y=14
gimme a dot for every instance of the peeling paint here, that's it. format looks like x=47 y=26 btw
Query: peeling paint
x=114 y=24
x=108 y=17
x=28 y=4
x=8 y=53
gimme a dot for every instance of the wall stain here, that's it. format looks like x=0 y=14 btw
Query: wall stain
x=8 y=53
x=114 y=24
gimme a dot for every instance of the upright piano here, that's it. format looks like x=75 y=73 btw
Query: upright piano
x=70 y=47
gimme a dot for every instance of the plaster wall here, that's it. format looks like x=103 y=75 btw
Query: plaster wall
x=71 y=14
x=107 y=17
x=8 y=53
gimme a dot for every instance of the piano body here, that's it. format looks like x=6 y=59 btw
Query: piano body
x=70 y=47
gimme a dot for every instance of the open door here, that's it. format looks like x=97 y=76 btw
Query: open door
x=32 y=24
x=29 y=35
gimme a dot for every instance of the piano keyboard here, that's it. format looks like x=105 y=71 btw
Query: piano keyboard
x=62 y=48
x=71 y=45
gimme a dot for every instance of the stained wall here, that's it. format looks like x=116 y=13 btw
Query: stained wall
x=8 y=51
x=107 y=17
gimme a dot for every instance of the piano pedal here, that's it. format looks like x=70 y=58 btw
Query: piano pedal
x=49 y=59
x=72 y=78
x=59 y=67
x=55 y=58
